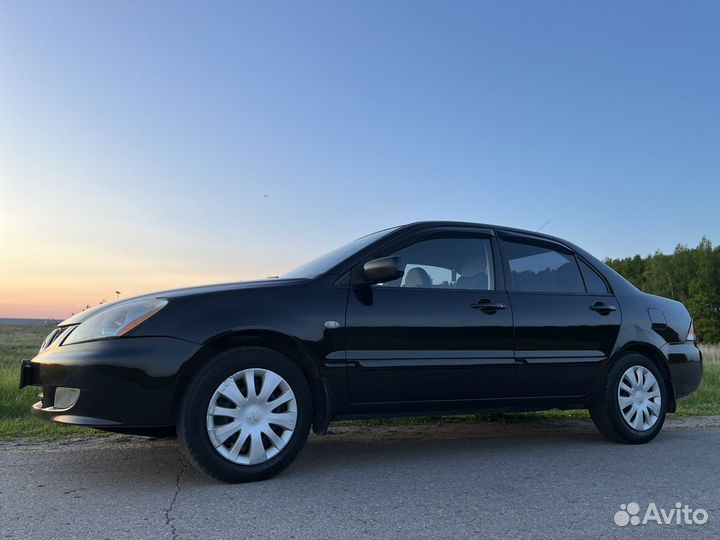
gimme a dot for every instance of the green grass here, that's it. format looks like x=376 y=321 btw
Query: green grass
x=18 y=342
x=706 y=401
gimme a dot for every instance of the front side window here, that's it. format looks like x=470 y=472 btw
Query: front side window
x=446 y=263
x=539 y=268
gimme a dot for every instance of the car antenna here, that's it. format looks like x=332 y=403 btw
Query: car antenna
x=543 y=225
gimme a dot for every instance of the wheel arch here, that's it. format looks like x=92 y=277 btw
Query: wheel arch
x=269 y=339
x=658 y=358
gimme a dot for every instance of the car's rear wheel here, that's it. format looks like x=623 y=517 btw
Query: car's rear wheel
x=634 y=402
x=246 y=415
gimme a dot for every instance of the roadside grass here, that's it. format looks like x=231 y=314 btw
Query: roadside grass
x=706 y=401
x=711 y=353
x=18 y=342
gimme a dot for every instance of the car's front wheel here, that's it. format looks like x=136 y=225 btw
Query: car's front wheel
x=634 y=401
x=246 y=415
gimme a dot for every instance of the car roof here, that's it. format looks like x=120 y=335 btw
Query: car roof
x=425 y=224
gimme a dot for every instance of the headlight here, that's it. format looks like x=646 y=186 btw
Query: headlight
x=115 y=321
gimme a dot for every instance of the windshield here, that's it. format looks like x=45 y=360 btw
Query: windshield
x=325 y=262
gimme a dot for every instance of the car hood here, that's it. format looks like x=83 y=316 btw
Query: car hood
x=188 y=291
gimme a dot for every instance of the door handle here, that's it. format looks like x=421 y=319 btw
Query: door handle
x=602 y=309
x=487 y=306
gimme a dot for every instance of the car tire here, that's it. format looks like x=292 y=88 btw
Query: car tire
x=262 y=454
x=633 y=383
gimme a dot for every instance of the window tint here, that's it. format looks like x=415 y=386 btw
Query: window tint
x=538 y=268
x=446 y=263
x=593 y=282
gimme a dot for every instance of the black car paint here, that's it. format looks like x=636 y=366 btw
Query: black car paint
x=391 y=352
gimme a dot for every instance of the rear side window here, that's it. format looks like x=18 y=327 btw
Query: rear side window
x=594 y=283
x=536 y=267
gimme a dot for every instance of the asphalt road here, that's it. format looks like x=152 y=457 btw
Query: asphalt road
x=530 y=480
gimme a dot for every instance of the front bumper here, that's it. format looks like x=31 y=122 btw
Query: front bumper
x=128 y=382
x=686 y=367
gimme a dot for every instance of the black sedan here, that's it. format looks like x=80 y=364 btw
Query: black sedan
x=423 y=319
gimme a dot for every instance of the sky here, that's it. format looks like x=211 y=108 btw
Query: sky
x=153 y=145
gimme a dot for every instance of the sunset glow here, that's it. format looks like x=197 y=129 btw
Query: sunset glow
x=143 y=148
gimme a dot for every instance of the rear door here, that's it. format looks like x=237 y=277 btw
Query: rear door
x=441 y=335
x=566 y=319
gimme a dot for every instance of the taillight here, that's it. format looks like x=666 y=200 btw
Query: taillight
x=691 y=332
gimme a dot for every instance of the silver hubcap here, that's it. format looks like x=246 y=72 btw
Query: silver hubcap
x=251 y=416
x=639 y=398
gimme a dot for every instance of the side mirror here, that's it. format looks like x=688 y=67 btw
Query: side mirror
x=383 y=270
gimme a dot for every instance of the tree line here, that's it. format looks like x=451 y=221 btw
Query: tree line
x=690 y=275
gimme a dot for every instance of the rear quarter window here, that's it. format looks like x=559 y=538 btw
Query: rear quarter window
x=594 y=283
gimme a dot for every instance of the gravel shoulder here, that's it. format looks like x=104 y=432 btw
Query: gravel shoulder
x=349 y=433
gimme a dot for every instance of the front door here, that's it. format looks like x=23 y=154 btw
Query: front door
x=442 y=334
